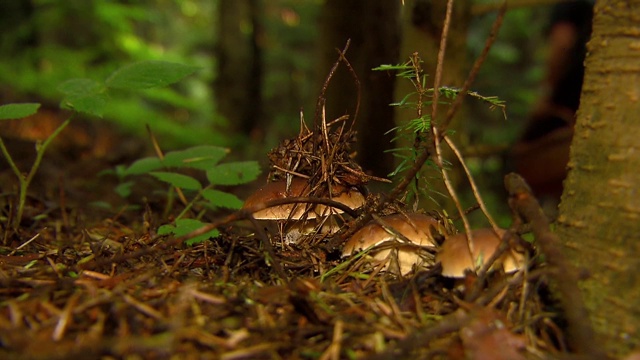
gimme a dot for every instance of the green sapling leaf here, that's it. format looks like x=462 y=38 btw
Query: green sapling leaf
x=186 y=226
x=84 y=95
x=92 y=104
x=234 y=173
x=18 y=111
x=198 y=157
x=81 y=87
x=124 y=189
x=222 y=199
x=143 y=166
x=177 y=180
x=149 y=74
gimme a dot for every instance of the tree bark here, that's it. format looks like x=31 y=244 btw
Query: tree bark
x=373 y=27
x=599 y=221
x=239 y=81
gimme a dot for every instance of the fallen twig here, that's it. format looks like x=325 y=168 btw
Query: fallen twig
x=581 y=337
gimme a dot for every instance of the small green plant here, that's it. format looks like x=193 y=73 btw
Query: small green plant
x=199 y=158
x=418 y=129
x=90 y=97
x=18 y=111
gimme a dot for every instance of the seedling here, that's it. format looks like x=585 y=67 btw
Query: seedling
x=18 y=111
x=418 y=129
x=90 y=97
x=201 y=158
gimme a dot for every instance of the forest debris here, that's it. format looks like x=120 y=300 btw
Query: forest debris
x=580 y=335
x=486 y=337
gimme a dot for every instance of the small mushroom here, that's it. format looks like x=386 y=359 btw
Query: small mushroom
x=414 y=227
x=455 y=259
x=300 y=218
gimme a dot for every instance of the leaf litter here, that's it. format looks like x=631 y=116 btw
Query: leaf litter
x=117 y=289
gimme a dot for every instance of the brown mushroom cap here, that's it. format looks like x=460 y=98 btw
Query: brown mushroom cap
x=414 y=226
x=455 y=258
x=298 y=188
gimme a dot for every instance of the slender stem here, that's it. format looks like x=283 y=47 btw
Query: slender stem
x=193 y=201
x=474 y=187
x=495 y=28
x=440 y=63
x=40 y=152
x=12 y=164
x=452 y=193
x=26 y=181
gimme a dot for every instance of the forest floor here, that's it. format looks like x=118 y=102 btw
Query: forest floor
x=83 y=282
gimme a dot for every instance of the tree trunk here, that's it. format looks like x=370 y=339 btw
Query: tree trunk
x=238 y=85
x=599 y=221
x=373 y=27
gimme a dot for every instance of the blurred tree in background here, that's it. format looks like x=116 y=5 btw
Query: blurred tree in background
x=75 y=39
x=263 y=61
x=374 y=30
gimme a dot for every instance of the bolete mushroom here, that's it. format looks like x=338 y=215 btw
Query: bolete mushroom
x=300 y=218
x=415 y=227
x=455 y=259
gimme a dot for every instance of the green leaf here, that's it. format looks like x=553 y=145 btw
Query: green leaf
x=177 y=180
x=84 y=95
x=234 y=173
x=18 y=111
x=388 y=67
x=186 y=226
x=198 y=157
x=143 y=166
x=222 y=199
x=148 y=74
x=92 y=104
x=80 y=87
x=124 y=189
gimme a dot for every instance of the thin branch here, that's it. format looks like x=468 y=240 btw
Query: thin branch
x=495 y=28
x=322 y=98
x=581 y=337
x=270 y=255
x=426 y=153
x=440 y=64
x=452 y=192
x=160 y=155
x=474 y=187
x=358 y=89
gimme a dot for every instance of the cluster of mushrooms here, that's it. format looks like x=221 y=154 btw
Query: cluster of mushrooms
x=319 y=164
x=410 y=239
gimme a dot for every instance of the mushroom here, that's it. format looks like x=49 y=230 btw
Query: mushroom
x=455 y=259
x=301 y=218
x=415 y=227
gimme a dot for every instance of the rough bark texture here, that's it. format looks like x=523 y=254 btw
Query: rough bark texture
x=373 y=27
x=599 y=221
x=239 y=54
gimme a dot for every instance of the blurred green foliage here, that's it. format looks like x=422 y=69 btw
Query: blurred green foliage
x=45 y=42
x=513 y=70
x=60 y=40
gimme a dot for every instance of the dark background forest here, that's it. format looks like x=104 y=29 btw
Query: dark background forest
x=262 y=63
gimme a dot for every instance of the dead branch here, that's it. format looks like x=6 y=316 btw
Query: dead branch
x=581 y=337
x=495 y=28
